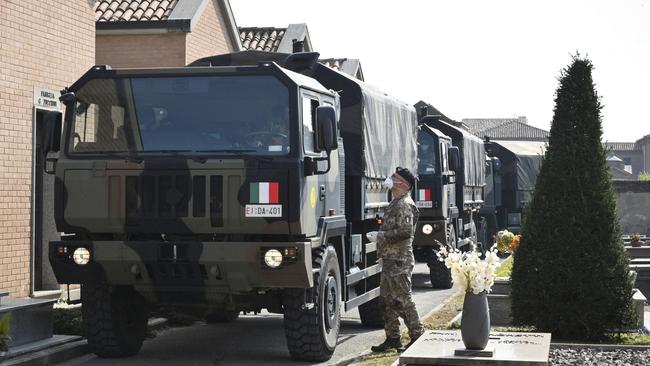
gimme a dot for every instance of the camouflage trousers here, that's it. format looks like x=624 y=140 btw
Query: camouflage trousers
x=396 y=299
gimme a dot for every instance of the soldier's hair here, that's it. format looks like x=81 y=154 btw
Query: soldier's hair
x=406 y=174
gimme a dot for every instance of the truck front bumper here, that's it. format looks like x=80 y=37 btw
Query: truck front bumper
x=232 y=267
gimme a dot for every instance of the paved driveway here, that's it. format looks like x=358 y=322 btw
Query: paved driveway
x=258 y=339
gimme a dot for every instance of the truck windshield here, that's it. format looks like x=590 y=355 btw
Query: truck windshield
x=427 y=157
x=182 y=115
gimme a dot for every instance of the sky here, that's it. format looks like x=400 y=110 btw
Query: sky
x=483 y=59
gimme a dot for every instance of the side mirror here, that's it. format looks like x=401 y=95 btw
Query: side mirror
x=51 y=140
x=454 y=158
x=326 y=133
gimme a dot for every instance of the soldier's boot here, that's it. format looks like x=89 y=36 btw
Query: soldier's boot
x=413 y=339
x=395 y=343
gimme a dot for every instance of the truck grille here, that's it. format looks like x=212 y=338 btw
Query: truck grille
x=172 y=196
x=176 y=271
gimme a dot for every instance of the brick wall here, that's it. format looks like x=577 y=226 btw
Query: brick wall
x=146 y=50
x=209 y=36
x=43 y=44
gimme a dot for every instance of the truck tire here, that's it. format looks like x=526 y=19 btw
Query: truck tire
x=439 y=274
x=114 y=319
x=221 y=316
x=312 y=332
x=371 y=314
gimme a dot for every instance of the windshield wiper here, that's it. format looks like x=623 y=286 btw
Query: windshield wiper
x=183 y=153
x=238 y=152
x=230 y=151
x=127 y=157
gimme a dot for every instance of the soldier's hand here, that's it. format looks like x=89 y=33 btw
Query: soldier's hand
x=372 y=235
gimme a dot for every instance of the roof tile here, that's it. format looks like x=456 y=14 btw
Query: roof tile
x=133 y=10
x=127 y=14
x=102 y=6
x=622 y=146
x=148 y=13
x=108 y=14
x=505 y=129
x=138 y=14
x=144 y=5
x=261 y=39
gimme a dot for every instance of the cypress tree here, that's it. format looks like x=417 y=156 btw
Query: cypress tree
x=570 y=273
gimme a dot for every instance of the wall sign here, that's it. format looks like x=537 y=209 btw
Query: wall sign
x=46 y=99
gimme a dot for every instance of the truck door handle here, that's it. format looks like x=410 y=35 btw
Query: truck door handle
x=322 y=193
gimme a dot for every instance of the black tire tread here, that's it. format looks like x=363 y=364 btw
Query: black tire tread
x=439 y=274
x=301 y=326
x=99 y=305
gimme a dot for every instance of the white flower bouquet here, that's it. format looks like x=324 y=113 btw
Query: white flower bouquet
x=470 y=273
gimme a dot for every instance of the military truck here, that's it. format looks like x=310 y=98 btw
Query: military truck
x=449 y=192
x=510 y=182
x=242 y=182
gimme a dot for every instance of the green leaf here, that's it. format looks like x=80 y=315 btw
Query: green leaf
x=4 y=324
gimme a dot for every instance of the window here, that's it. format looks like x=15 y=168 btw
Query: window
x=98 y=128
x=443 y=157
x=427 y=159
x=308 y=122
x=191 y=114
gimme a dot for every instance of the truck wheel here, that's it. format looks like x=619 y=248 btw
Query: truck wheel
x=439 y=274
x=371 y=314
x=221 y=316
x=114 y=319
x=312 y=332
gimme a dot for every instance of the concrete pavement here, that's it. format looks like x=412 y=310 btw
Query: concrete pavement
x=258 y=339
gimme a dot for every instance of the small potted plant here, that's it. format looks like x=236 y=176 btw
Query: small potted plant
x=4 y=334
x=635 y=240
x=473 y=276
x=507 y=241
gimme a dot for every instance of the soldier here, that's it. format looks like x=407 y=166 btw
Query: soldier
x=395 y=248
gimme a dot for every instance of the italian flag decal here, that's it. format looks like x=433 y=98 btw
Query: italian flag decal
x=424 y=195
x=265 y=192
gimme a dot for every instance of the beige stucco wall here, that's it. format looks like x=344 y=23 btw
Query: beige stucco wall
x=45 y=45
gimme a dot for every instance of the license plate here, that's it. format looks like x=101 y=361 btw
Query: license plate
x=263 y=210
x=424 y=204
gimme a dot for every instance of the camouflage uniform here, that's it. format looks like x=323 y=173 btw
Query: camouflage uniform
x=395 y=248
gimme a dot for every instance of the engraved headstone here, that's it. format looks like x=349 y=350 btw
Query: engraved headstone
x=509 y=348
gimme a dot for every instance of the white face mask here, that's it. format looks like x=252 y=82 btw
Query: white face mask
x=388 y=183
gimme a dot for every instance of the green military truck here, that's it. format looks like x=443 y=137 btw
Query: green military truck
x=242 y=182
x=452 y=171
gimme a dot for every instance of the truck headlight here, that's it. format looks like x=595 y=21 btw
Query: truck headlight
x=273 y=258
x=81 y=256
x=427 y=229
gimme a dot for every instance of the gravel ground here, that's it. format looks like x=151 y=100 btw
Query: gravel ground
x=596 y=357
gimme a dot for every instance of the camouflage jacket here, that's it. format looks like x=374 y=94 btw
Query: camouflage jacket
x=395 y=238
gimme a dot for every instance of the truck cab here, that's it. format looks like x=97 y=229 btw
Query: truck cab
x=449 y=193
x=435 y=192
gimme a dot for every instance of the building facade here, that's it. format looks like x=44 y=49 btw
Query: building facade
x=635 y=156
x=43 y=47
x=169 y=34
